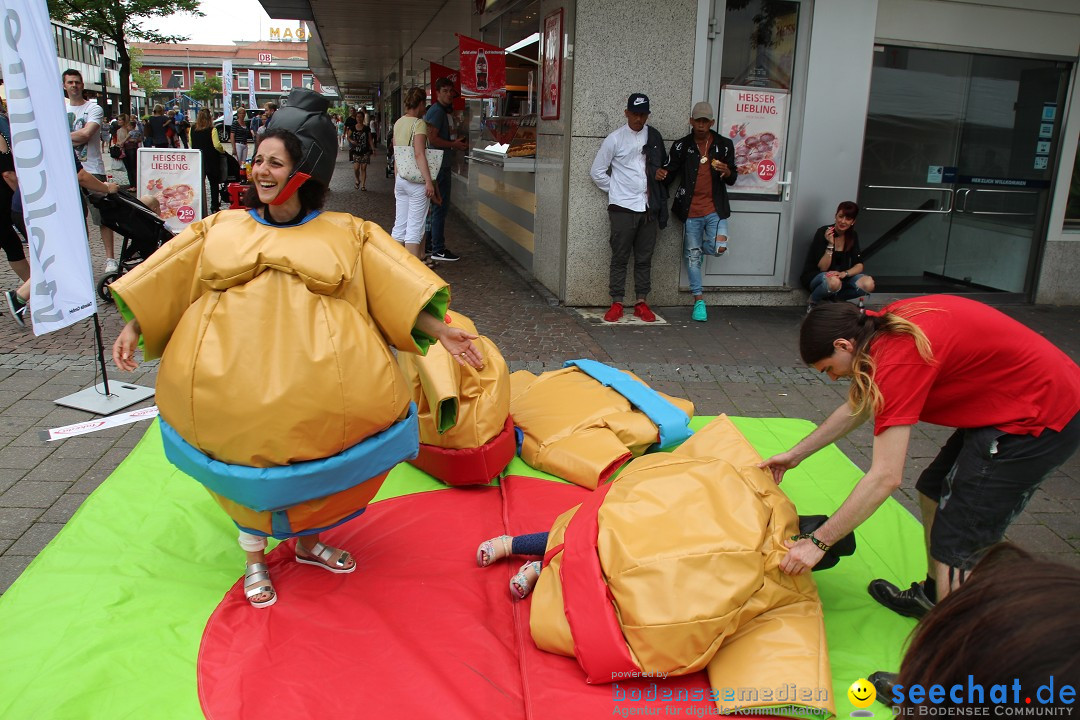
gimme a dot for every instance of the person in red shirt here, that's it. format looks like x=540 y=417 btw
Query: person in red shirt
x=1012 y=396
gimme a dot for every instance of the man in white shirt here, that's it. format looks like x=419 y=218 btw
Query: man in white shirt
x=84 y=121
x=625 y=168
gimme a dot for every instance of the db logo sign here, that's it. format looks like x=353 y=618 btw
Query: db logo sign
x=766 y=170
x=265 y=57
x=185 y=214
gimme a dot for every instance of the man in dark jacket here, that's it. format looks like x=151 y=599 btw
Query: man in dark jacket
x=626 y=168
x=706 y=163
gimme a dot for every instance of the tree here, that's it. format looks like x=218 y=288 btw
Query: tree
x=204 y=90
x=148 y=83
x=122 y=22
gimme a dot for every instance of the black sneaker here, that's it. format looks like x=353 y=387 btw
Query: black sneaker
x=16 y=307
x=910 y=603
x=883 y=683
x=445 y=256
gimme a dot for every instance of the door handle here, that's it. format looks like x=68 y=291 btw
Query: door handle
x=786 y=184
x=941 y=211
x=966 y=192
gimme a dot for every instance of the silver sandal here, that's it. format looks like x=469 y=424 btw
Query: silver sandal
x=519 y=584
x=319 y=555
x=257 y=582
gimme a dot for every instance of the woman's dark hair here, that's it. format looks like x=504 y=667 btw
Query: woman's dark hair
x=312 y=193
x=848 y=209
x=1014 y=619
x=827 y=323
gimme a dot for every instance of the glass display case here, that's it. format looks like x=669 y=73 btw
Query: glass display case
x=508 y=142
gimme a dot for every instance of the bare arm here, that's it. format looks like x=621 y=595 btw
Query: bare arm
x=885 y=475
x=456 y=341
x=419 y=148
x=437 y=142
x=84 y=134
x=836 y=426
x=92 y=184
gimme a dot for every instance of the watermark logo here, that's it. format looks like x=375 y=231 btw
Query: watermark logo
x=862 y=695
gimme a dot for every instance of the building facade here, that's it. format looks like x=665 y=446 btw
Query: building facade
x=275 y=69
x=953 y=123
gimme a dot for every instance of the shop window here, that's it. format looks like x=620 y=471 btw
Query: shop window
x=286 y=81
x=264 y=81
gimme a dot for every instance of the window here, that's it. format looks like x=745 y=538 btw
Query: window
x=241 y=80
x=286 y=81
x=200 y=76
x=308 y=81
x=177 y=80
x=156 y=74
x=264 y=81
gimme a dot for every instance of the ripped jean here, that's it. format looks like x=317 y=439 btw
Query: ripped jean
x=699 y=237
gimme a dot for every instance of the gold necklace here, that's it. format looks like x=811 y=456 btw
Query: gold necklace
x=704 y=153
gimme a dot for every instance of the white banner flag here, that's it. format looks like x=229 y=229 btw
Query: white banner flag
x=61 y=280
x=251 y=89
x=226 y=91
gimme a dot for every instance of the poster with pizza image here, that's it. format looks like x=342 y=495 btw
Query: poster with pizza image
x=173 y=177
x=755 y=120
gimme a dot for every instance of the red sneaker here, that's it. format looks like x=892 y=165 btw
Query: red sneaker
x=614 y=312
x=642 y=311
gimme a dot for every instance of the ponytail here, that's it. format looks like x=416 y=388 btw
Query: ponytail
x=827 y=323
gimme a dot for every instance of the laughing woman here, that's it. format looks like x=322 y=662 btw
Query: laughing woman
x=277 y=387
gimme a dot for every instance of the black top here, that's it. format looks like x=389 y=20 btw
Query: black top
x=842 y=260
x=158 y=123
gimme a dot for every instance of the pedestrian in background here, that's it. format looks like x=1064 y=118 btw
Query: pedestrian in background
x=627 y=167
x=438 y=130
x=412 y=199
x=705 y=161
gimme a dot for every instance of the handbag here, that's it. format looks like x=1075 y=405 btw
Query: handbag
x=116 y=152
x=405 y=160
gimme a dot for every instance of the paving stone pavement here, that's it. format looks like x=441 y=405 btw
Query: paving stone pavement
x=743 y=361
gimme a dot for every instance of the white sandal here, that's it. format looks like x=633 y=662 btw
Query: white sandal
x=485 y=554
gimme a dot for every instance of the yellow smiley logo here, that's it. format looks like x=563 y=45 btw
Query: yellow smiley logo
x=861 y=693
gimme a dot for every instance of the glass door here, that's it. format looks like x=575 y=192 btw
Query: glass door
x=756 y=85
x=957 y=166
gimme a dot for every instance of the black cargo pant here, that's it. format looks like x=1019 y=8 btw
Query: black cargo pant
x=631 y=232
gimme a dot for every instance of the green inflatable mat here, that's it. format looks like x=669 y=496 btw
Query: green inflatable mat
x=106 y=621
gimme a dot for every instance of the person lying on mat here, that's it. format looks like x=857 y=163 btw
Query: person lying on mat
x=1022 y=609
x=277 y=389
x=1012 y=396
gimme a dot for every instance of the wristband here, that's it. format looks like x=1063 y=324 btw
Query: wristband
x=824 y=547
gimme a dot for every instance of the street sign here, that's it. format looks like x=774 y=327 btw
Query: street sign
x=265 y=57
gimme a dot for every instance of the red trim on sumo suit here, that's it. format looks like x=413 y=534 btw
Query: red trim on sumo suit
x=598 y=640
x=469 y=466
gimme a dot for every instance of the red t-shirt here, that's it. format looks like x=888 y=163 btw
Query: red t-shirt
x=988 y=371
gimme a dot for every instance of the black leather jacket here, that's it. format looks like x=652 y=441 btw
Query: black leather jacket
x=683 y=162
x=655 y=158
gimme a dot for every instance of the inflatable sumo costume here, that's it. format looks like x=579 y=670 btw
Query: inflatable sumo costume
x=674 y=567
x=466 y=435
x=584 y=422
x=277 y=388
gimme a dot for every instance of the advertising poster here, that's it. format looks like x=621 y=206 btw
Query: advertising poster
x=483 y=68
x=550 y=80
x=173 y=178
x=755 y=120
x=441 y=71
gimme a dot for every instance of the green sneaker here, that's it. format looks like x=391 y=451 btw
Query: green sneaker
x=699 y=313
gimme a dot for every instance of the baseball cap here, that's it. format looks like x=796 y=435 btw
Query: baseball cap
x=702 y=110
x=638 y=102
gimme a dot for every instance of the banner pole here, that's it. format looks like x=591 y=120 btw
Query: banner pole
x=101 y=354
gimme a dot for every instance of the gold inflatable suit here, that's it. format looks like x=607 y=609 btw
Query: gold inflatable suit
x=274 y=342
x=677 y=569
x=578 y=429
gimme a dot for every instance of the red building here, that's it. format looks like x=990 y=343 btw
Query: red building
x=277 y=67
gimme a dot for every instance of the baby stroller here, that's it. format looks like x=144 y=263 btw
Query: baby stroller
x=142 y=233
